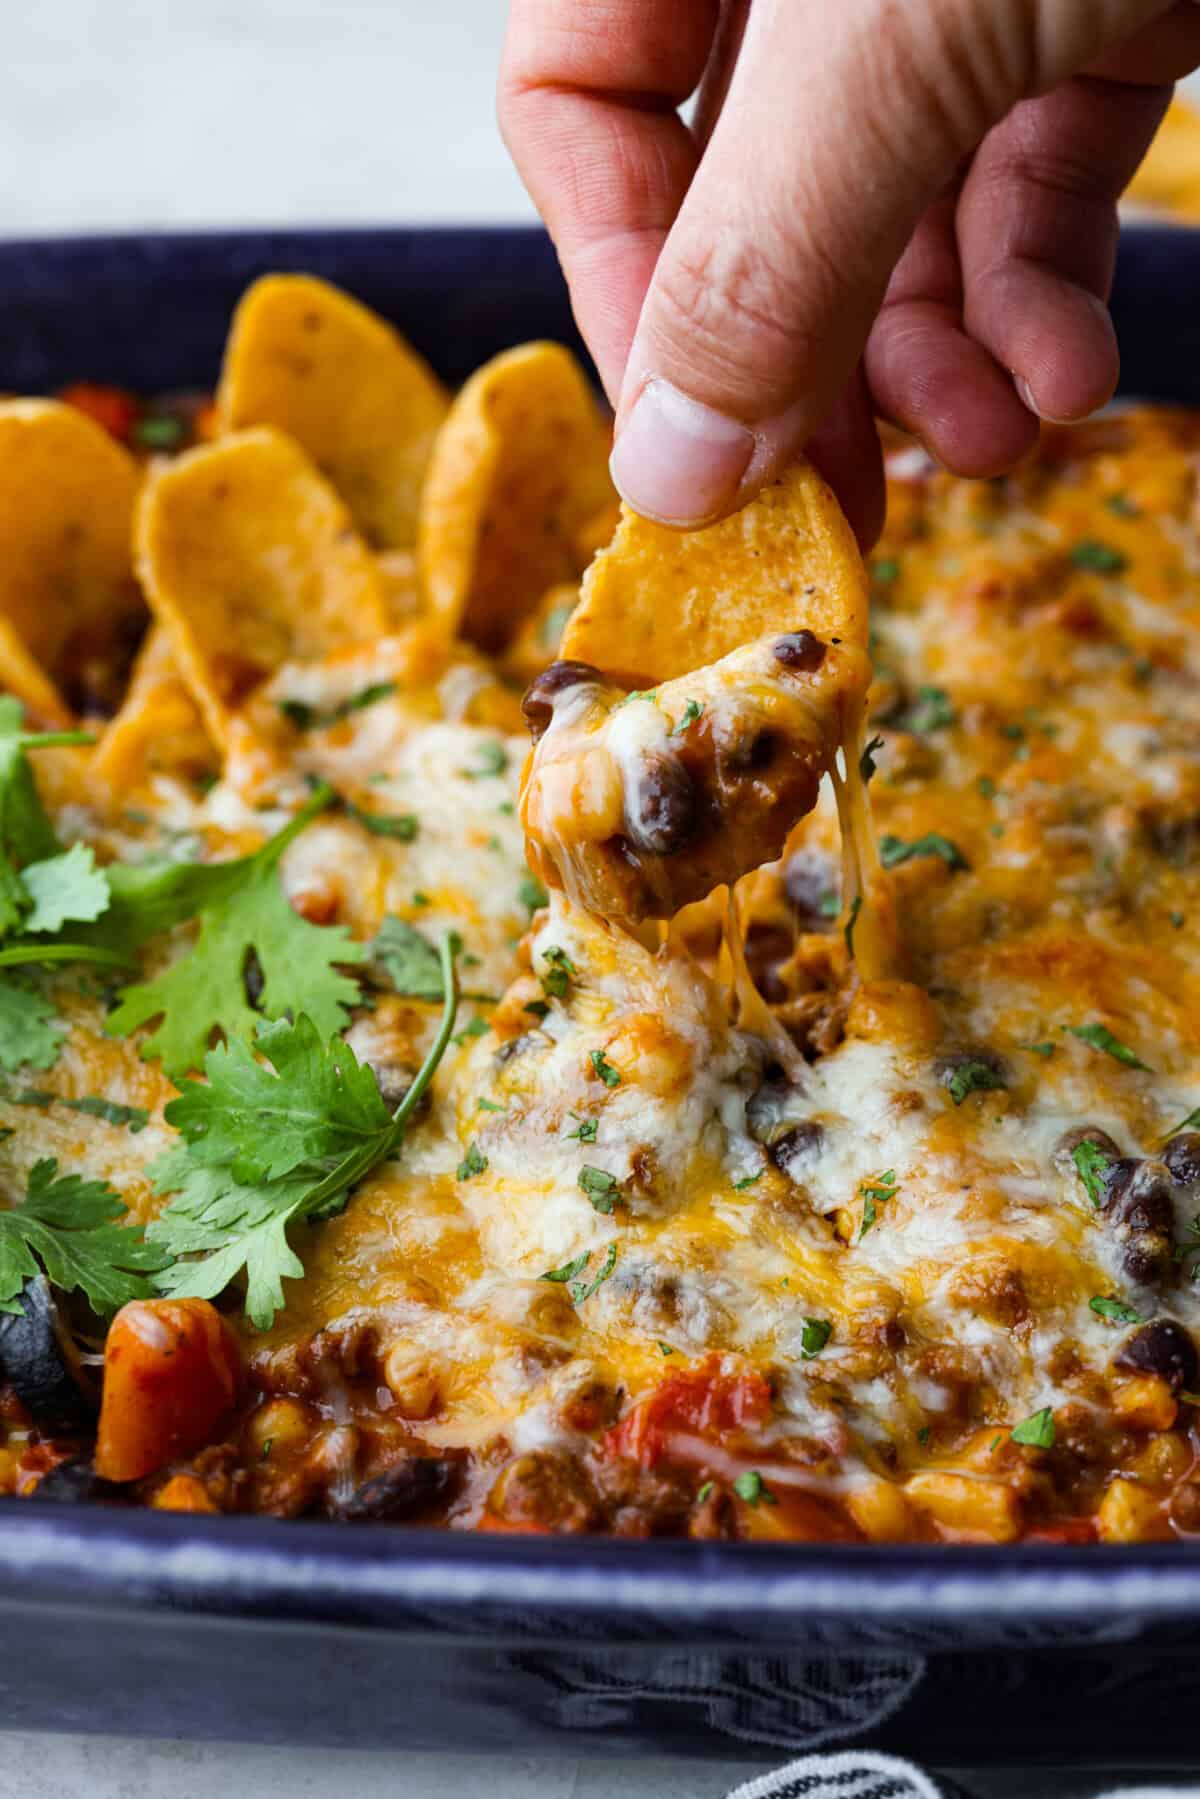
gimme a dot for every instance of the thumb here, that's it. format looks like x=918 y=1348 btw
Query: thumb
x=839 y=126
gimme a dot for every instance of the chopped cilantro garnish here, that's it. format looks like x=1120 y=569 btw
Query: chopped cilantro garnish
x=242 y=908
x=136 y=1117
x=585 y=1130
x=532 y=894
x=1116 y=1309
x=603 y=1067
x=829 y=905
x=306 y=717
x=1091 y=1164
x=1100 y=1037
x=1178 y=919
x=664 y=1348
x=751 y=1487
x=986 y=786
x=493 y=760
x=1046 y=1050
x=489 y=1105
x=1121 y=506
x=556 y=976
x=883 y=1188
x=403 y=826
x=474 y=1162
x=538 y=1007
x=569 y=1270
x=1036 y=1431
x=971 y=1077
x=581 y=1290
x=747 y=1180
x=931 y=710
x=867 y=765
x=601 y=1187
x=885 y=570
x=411 y=964
x=893 y=850
x=30 y=1033
x=691 y=713
x=420 y=899
x=703 y=1492
x=814 y=1337
x=1099 y=557
x=264 y=1147
x=70 y=1227
x=923 y=1435
x=649 y=694
x=474 y=1027
x=158 y=431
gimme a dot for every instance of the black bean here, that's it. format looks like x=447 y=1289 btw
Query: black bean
x=797 y=1149
x=1182 y=1158
x=810 y=883
x=765 y=1105
x=1164 y=1348
x=408 y=1486
x=660 y=814
x=768 y=947
x=752 y=752
x=1069 y=1142
x=546 y=688
x=77 y=1480
x=800 y=651
x=1138 y=1194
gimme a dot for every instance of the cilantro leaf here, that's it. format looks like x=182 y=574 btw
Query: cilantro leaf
x=556 y=976
x=1036 y=1431
x=66 y=886
x=581 y=1290
x=1101 y=558
x=30 y=1033
x=68 y=1226
x=568 y=1270
x=92 y=1104
x=474 y=1162
x=493 y=760
x=931 y=710
x=411 y=964
x=403 y=826
x=1116 y=1309
x=601 y=1066
x=238 y=1184
x=306 y=717
x=751 y=1487
x=532 y=894
x=205 y=990
x=601 y=1187
x=814 y=1337
x=585 y=1131
x=1100 y=1037
x=972 y=1076
x=894 y=850
x=1091 y=1164
x=691 y=713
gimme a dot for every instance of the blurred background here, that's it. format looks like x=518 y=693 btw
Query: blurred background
x=145 y=114
x=175 y=113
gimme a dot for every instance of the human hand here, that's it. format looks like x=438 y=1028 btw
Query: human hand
x=902 y=207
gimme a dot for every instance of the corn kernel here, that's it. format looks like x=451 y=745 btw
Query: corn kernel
x=1130 y=1514
x=987 y=1508
x=1145 y=1402
x=413 y=1385
x=881 y=1512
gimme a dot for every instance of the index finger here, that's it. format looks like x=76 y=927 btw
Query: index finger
x=588 y=99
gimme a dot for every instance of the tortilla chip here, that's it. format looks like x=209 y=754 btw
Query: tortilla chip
x=21 y=675
x=659 y=602
x=306 y=358
x=67 y=494
x=159 y=725
x=250 y=560
x=519 y=469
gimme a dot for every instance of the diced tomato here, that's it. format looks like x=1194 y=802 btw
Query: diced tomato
x=1067 y=1530
x=702 y=1401
x=110 y=407
x=183 y=1493
x=172 y=1373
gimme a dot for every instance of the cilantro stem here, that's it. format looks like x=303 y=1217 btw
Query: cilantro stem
x=61 y=952
x=447 y=949
x=53 y=740
x=321 y=798
x=353 y=1167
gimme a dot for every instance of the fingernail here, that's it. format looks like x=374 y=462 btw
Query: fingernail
x=677 y=461
x=1025 y=395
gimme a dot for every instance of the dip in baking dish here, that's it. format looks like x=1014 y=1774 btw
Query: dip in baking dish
x=355 y=1171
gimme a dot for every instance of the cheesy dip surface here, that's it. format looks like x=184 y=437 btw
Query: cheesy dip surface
x=354 y=1172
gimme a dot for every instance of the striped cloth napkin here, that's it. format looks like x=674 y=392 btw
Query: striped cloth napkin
x=863 y=1775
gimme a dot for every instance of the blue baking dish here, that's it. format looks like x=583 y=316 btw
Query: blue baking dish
x=366 y=1636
